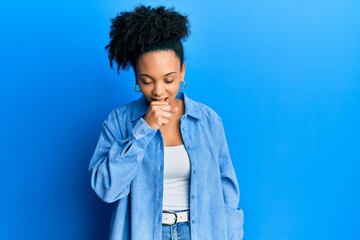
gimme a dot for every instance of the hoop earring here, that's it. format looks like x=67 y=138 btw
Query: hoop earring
x=135 y=89
x=183 y=85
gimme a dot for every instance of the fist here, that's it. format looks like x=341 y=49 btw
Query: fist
x=159 y=113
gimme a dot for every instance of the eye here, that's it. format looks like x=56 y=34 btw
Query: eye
x=169 y=81
x=145 y=82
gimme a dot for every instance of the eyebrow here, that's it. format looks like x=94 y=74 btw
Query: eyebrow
x=147 y=75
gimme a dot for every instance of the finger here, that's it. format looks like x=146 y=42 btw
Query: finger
x=157 y=103
x=166 y=108
x=159 y=107
x=162 y=114
x=166 y=114
x=162 y=121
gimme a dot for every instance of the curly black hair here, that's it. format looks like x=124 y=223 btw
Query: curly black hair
x=143 y=30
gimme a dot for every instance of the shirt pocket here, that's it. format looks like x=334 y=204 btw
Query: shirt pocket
x=235 y=223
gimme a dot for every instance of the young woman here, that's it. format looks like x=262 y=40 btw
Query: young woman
x=163 y=158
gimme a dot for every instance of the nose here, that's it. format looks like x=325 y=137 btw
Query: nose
x=158 y=89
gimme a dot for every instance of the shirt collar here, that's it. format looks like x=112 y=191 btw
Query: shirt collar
x=141 y=106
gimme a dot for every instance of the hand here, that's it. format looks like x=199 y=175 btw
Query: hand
x=159 y=114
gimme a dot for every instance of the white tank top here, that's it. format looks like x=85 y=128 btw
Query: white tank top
x=176 y=178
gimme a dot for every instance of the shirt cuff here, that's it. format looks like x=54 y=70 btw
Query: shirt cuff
x=142 y=129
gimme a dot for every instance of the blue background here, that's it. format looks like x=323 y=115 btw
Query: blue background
x=283 y=74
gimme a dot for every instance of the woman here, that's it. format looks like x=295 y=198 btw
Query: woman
x=163 y=158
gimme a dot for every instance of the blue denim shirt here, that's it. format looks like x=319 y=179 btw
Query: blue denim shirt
x=127 y=168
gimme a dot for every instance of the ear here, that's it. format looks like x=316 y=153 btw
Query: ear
x=182 y=72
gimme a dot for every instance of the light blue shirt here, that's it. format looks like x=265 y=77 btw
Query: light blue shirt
x=128 y=168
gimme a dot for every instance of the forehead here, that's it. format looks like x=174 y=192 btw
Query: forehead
x=158 y=62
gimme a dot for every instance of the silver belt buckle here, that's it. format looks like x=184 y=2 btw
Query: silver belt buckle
x=176 y=217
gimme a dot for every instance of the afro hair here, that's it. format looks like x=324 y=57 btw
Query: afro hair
x=143 y=30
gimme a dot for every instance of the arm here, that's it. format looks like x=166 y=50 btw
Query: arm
x=116 y=161
x=230 y=187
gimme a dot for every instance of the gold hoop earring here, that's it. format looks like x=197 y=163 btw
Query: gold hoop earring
x=183 y=85
x=135 y=89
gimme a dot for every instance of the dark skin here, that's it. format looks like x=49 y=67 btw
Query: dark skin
x=159 y=74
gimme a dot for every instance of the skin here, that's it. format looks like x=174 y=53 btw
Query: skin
x=159 y=74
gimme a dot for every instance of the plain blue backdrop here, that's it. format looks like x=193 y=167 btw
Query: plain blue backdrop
x=283 y=74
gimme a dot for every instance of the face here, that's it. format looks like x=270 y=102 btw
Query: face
x=159 y=75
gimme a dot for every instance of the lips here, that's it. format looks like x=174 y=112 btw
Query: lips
x=159 y=99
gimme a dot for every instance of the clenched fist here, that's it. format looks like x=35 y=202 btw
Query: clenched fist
x=159 y=113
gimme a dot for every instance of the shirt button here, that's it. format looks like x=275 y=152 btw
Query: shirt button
x=194 y=171
x=184 y=129
x=189 y=147
x=193 y=221
x=193 y=196
x=142 y=131
x=159 y=169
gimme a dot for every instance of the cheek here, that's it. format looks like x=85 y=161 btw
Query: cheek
x=174 y=88
x=145 y=90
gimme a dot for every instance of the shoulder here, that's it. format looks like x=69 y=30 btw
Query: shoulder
x=124 y=109
x=208 y=111
x=117 y=121
x=202 y=111
x=121 y=113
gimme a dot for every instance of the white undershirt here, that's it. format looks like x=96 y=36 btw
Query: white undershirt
x=176 y=178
